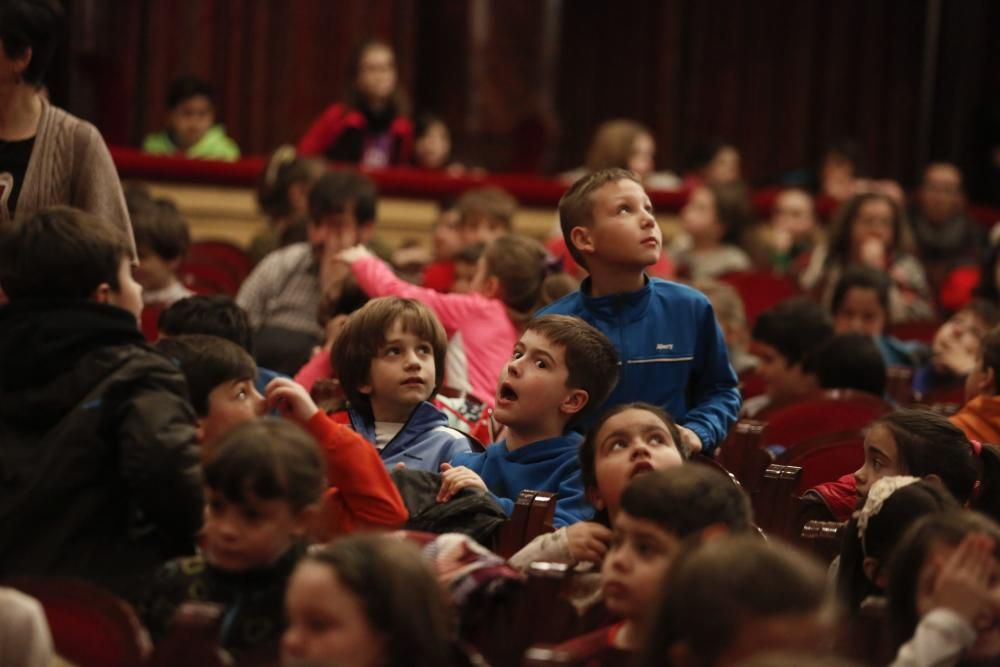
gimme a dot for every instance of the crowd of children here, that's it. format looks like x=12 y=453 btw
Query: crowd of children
x=274 y=454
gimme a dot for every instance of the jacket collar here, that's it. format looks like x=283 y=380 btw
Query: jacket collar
x=423 y=418
x=612 y=306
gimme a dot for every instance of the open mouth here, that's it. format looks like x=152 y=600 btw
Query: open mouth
x=506 y=393
x=413 y=382
x=641 y=467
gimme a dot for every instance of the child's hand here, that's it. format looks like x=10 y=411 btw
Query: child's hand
x=962 y=582
x=290 y=399
x=691 y=439
x=351 y=255
x=588 y=541
x=454 y=480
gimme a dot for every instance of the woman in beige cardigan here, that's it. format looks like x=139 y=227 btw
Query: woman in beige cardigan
x=47 y=156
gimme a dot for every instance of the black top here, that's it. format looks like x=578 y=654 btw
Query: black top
x=14 y=156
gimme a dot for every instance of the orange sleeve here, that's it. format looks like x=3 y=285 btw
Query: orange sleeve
x=361 y=494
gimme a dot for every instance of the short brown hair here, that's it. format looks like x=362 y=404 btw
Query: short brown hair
x=60 y=253
x=157 y=224
x=490 y=202
x=576 y=207
x=591 y=358
x=364 y=334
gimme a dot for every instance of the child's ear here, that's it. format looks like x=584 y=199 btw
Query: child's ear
x=574 y=401
x=595 y=498
x=580 y=236
x=101 y=293
x=491 y=287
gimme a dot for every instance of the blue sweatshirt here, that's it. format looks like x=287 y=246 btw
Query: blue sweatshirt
x=672 y=353
x=547 y=465
x=424 y=443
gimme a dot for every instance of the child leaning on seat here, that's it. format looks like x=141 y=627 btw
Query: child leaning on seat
x=561 y=370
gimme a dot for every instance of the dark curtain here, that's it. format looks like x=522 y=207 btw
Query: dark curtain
x=524 y=84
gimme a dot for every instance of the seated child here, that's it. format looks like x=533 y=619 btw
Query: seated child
x=220 y=378
x=446 y=240
x=979 y=418
x=466 y=262
x=99 y=458
x=943 y=592
x=848 y=361
x=712 y=222
x=954 y=348
x=219 y=375
x=263 y=484
x=390 y=361
x=191 y=128
x=485 y=214
x=659 y=512
x=860 y=304
x=786 y=241
x=672 y=351
x=761 y=595
x=215 y=315
x=920 y=443
x=893 y=505
x=628 y=440
x=562 y=369
x=161 y=240
x=783 y=338
x=283 y=196
x=367 y=600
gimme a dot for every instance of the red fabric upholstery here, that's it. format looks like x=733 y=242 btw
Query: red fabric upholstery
x=922 y=331
x=224 y=254
x=833 y=411
x=761 y=290
x=826 y=458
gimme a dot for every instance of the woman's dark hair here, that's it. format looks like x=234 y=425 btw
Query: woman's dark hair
x=898 y=512
x=32 y=24
x=267 y=458
x=929 y=444
x=843 y=223
x=730 y=580
x=862 y=277
x=911 y=554
x=399 y=593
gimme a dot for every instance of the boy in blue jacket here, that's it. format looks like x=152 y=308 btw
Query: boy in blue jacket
x=672 y=351
x=561 y=370
x=389 y=359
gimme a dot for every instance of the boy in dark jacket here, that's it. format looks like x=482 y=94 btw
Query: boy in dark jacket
x=672 y=352
x=97 y=440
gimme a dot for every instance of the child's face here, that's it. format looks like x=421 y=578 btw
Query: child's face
x=793 y=214
x=433 y=147
x=882 y=459
x=956 y=342
x=532 y=387
x=191 y=119
x=630 y=443
x=129 y=292
x=479 y=228
x=377 y=74
x=401 y=375
x=987 y=625
x=154 y=272
x=873 y=221
x=782 y=381
x=624 y=234
x=860 y=312
x=724 y=167
x=699 y=219
x=326 y=622
x=640 y=159
x=941 y=193
x=465 y=274
x=229 y=405
x=333 y=232
x=246 y=536
x=632 y=572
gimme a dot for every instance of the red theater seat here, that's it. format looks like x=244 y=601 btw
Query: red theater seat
x=761 y=290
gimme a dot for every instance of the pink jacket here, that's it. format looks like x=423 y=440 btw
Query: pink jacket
x=479 y=329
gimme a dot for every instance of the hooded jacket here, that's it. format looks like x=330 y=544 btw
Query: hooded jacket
x=547 y=465
x=424 y=443
x=99 y=471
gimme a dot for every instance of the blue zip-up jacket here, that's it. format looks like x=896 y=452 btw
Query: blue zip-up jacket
x=424 y=443
x=547 y=465
x=671 y=350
